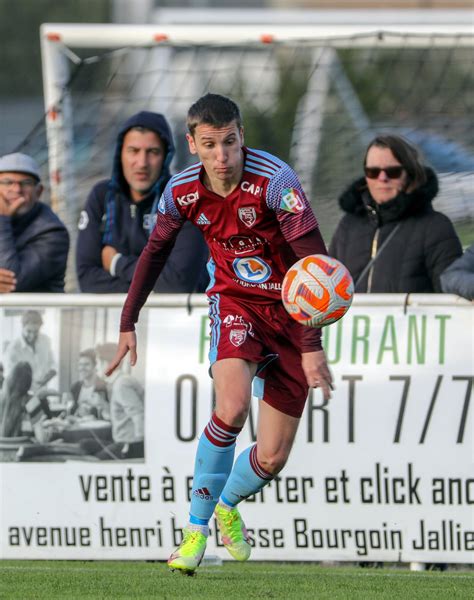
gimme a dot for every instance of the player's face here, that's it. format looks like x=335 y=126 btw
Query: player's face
x=382 y=188
x=142 y=158
x=220 y=151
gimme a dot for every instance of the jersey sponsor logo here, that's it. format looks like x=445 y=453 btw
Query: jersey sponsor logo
x=188 y=199
x=242 y=244
x=291 y=200
x=202 y=220
x=252 y=269
x=237 y=337
x=247 y=215
x=251 y=188
x=162 y=205
x=83 y=220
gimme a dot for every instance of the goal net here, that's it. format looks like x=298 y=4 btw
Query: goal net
x=314 y=100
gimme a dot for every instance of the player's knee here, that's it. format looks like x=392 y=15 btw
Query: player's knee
x=273 y=463
x=233 y=415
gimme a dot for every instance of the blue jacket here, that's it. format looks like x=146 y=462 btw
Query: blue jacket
x=35 y=246
x=110 y=217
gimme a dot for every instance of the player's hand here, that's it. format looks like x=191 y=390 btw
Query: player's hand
x=317 y=372
x=107 y=254
x=127 y=343
x=7 y=281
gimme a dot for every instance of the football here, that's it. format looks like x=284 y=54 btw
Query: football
x=317 y=290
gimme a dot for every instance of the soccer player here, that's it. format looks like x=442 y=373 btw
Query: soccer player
x=257 y=222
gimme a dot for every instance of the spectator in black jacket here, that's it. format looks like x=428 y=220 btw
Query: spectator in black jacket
x=34 y=243
x=391 y=239
x=121 y=211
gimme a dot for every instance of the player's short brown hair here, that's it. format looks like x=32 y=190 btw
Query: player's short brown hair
x=214 y=110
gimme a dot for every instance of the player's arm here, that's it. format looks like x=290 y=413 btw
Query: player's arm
x=313 y=358
x=300 y=228
x=149 y=266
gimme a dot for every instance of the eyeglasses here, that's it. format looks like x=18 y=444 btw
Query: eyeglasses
x=390 y=172
x=24 y=183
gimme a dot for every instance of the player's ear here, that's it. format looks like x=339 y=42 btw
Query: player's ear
x=191 y=143
x=241 y=131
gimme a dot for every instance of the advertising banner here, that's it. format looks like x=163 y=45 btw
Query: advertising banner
x=101 y=468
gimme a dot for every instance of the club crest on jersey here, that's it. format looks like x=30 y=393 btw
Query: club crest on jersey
x=237 y=337
x=247 y=215
x=291 y=200
x=252 y=269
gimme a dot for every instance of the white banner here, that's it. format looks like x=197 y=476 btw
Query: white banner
x=382 y=472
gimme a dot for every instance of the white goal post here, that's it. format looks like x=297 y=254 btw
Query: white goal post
x=184 y=61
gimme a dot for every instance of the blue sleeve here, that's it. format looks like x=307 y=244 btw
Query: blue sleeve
x=91 y=275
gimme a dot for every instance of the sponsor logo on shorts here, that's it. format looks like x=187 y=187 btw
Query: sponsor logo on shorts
x=252 y=269
x=238 y=323
x=237 y=337
x=291 y=200
x=247 y=215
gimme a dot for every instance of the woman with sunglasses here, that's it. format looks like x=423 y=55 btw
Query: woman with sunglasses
x=391 y=239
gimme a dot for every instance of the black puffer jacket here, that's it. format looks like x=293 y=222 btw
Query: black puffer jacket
x=422 y=247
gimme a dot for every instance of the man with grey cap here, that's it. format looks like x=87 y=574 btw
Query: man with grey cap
x=34 y=243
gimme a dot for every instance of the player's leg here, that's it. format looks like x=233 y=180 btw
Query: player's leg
x=283 y=388
x=261 y=462
x=254 y=468
x=215 y=456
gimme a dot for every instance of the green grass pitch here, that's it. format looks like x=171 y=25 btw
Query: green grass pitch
x=74 y=580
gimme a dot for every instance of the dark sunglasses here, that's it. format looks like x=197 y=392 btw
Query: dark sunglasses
x=390 y=172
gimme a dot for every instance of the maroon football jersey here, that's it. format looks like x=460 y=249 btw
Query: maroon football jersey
x=248 y=232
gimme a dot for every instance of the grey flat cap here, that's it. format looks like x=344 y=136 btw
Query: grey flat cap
x=19 y=163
